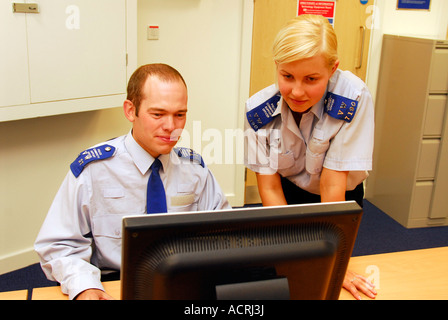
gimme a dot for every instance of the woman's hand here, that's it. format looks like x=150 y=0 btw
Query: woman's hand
x=354 y=283
x=94 y=294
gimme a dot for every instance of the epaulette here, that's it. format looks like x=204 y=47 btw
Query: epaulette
x=340 y=107
x=102 y=152
x=260 y=116
x=190 y=154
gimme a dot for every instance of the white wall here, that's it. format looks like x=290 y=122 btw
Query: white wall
x=35 y=157
x=205 y=40
x=415 y=23
x=422 y=23
x=209 y=42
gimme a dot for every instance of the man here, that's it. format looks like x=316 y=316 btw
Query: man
x=82 y=232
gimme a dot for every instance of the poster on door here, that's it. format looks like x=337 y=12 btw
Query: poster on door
x=323 y=8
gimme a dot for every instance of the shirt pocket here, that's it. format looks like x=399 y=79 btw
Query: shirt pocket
x=288 y=165
x=107 y=225
x=118 y=200
x=113 y=193
x=315 y=155
x=107 y=233
x=185 y=199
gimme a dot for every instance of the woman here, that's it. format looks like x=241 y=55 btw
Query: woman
x=310 y=136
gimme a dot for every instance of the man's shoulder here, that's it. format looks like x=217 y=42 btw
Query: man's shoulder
x=188 y=156
x=98 y=152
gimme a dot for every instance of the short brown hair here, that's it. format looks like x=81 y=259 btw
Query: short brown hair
x=162 y=71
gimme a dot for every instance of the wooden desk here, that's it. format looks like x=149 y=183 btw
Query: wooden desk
x=14 y=295
x=406 y=275
x=55 y=293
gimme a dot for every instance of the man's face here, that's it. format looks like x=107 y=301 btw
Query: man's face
x=161 y=117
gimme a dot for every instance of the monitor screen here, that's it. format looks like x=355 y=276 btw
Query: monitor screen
x=283 y=252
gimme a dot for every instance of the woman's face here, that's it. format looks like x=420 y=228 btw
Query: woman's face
x=302 y=83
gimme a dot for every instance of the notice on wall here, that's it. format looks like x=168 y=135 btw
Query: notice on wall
x=414 y=4
x=323 y=8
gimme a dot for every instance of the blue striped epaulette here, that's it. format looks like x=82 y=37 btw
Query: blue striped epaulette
x=261 y=115
x=190 y=154
x=102 y=152
x=340 y=107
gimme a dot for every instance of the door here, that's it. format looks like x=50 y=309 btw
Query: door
x=351 y=26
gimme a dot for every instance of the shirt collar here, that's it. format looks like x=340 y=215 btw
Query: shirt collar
x=317 y=109
x=142 y=159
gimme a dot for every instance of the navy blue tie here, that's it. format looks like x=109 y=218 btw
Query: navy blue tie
x=155 y=194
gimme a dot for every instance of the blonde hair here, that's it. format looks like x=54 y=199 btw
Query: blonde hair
x=304 y=37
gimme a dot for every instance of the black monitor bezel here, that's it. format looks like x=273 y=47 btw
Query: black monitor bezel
x=345 y=216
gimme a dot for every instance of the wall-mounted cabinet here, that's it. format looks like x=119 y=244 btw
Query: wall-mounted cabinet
x=409 y=180
x=71 y=56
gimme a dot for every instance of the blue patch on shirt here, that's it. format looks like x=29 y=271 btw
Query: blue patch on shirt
x=260 y=116
x=340 y=107
x=188 y=153
x=98 y=153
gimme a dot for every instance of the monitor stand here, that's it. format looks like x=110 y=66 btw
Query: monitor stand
x=274 y=289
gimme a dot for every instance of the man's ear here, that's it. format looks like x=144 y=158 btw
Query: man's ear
x=129 y=110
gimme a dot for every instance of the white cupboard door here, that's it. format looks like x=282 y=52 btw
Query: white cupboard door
x=77 y=49
x=14 y=86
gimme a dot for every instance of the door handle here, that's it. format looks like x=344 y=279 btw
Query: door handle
x=361 y=50
x=25 y=8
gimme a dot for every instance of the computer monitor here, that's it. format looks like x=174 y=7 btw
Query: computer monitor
x=283 y=252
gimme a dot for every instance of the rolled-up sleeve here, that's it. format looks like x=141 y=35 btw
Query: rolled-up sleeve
x=352 y=147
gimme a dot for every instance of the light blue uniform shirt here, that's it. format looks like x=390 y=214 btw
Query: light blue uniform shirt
x=300 y=152
x=90 y=208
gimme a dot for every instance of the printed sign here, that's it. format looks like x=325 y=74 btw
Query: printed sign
x=323 y=8
x=414 y=4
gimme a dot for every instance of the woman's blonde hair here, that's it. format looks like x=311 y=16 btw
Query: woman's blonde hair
x=304 y=37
